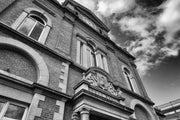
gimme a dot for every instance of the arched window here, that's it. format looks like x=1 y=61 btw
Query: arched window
x=85 y=53
x=33 y=23
x=32 y=26
x=101 y=60
x=131 y=82
x=88 y=55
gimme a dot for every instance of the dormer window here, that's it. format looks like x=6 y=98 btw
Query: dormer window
x=34 y=24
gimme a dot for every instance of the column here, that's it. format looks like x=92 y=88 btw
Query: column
x=84 y=114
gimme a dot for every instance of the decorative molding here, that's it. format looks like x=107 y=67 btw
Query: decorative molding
x=60 y=114
x=64 y=77
x=110 y=48
x=69 y=18
x=98 y=79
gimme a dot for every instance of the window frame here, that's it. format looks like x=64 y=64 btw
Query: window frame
x=38 y=13
x=35 y=22
x=101 y=59
x=82 y=46
x=5 y=108
x=82 y=54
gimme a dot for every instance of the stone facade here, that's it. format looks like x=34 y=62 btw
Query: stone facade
x=44 y=77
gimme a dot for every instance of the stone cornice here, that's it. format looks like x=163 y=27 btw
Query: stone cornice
x=29 y=86
x=86 y=93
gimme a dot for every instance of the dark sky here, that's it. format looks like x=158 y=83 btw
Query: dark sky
x=163 y=82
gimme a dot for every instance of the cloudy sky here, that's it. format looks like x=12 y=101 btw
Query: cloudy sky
x=150 y=31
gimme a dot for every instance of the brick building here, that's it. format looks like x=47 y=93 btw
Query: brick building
x=57 y=63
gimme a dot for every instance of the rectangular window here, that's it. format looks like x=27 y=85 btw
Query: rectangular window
x=12 y=111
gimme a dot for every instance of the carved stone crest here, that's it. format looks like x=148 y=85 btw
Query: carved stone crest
x=99 y=80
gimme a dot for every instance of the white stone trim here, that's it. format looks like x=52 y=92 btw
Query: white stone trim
x=16 y=77
x=43 y=73
x=60 y=114
x=44 y=35
x=64 y=77
x=135 y=102
x=33 y=109
x=46 y=29
x=19 y=20
x=100 y=109
x=5 y=108
x=13 y=93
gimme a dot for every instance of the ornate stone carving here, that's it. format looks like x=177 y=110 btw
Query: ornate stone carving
x=91 y=78
x=97 y=79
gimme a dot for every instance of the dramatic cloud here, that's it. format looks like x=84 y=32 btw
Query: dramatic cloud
x=138 y=25
x=150 y=49
x=156 y=29
x=169 y=20
x=109 y=7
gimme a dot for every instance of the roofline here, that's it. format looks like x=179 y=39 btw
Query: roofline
x=105 y=37
x=80 y=6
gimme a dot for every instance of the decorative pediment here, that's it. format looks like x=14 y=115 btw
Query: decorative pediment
x=89 y=14
x=99 y=78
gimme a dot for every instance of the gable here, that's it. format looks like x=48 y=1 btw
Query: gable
x=87 y=13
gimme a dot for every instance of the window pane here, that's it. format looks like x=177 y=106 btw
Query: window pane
x=26 y=26
x=81 y=53
x=1 y=106
x=88 y=57
x=92 y=59
x=14 y=112
x=37 y=31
